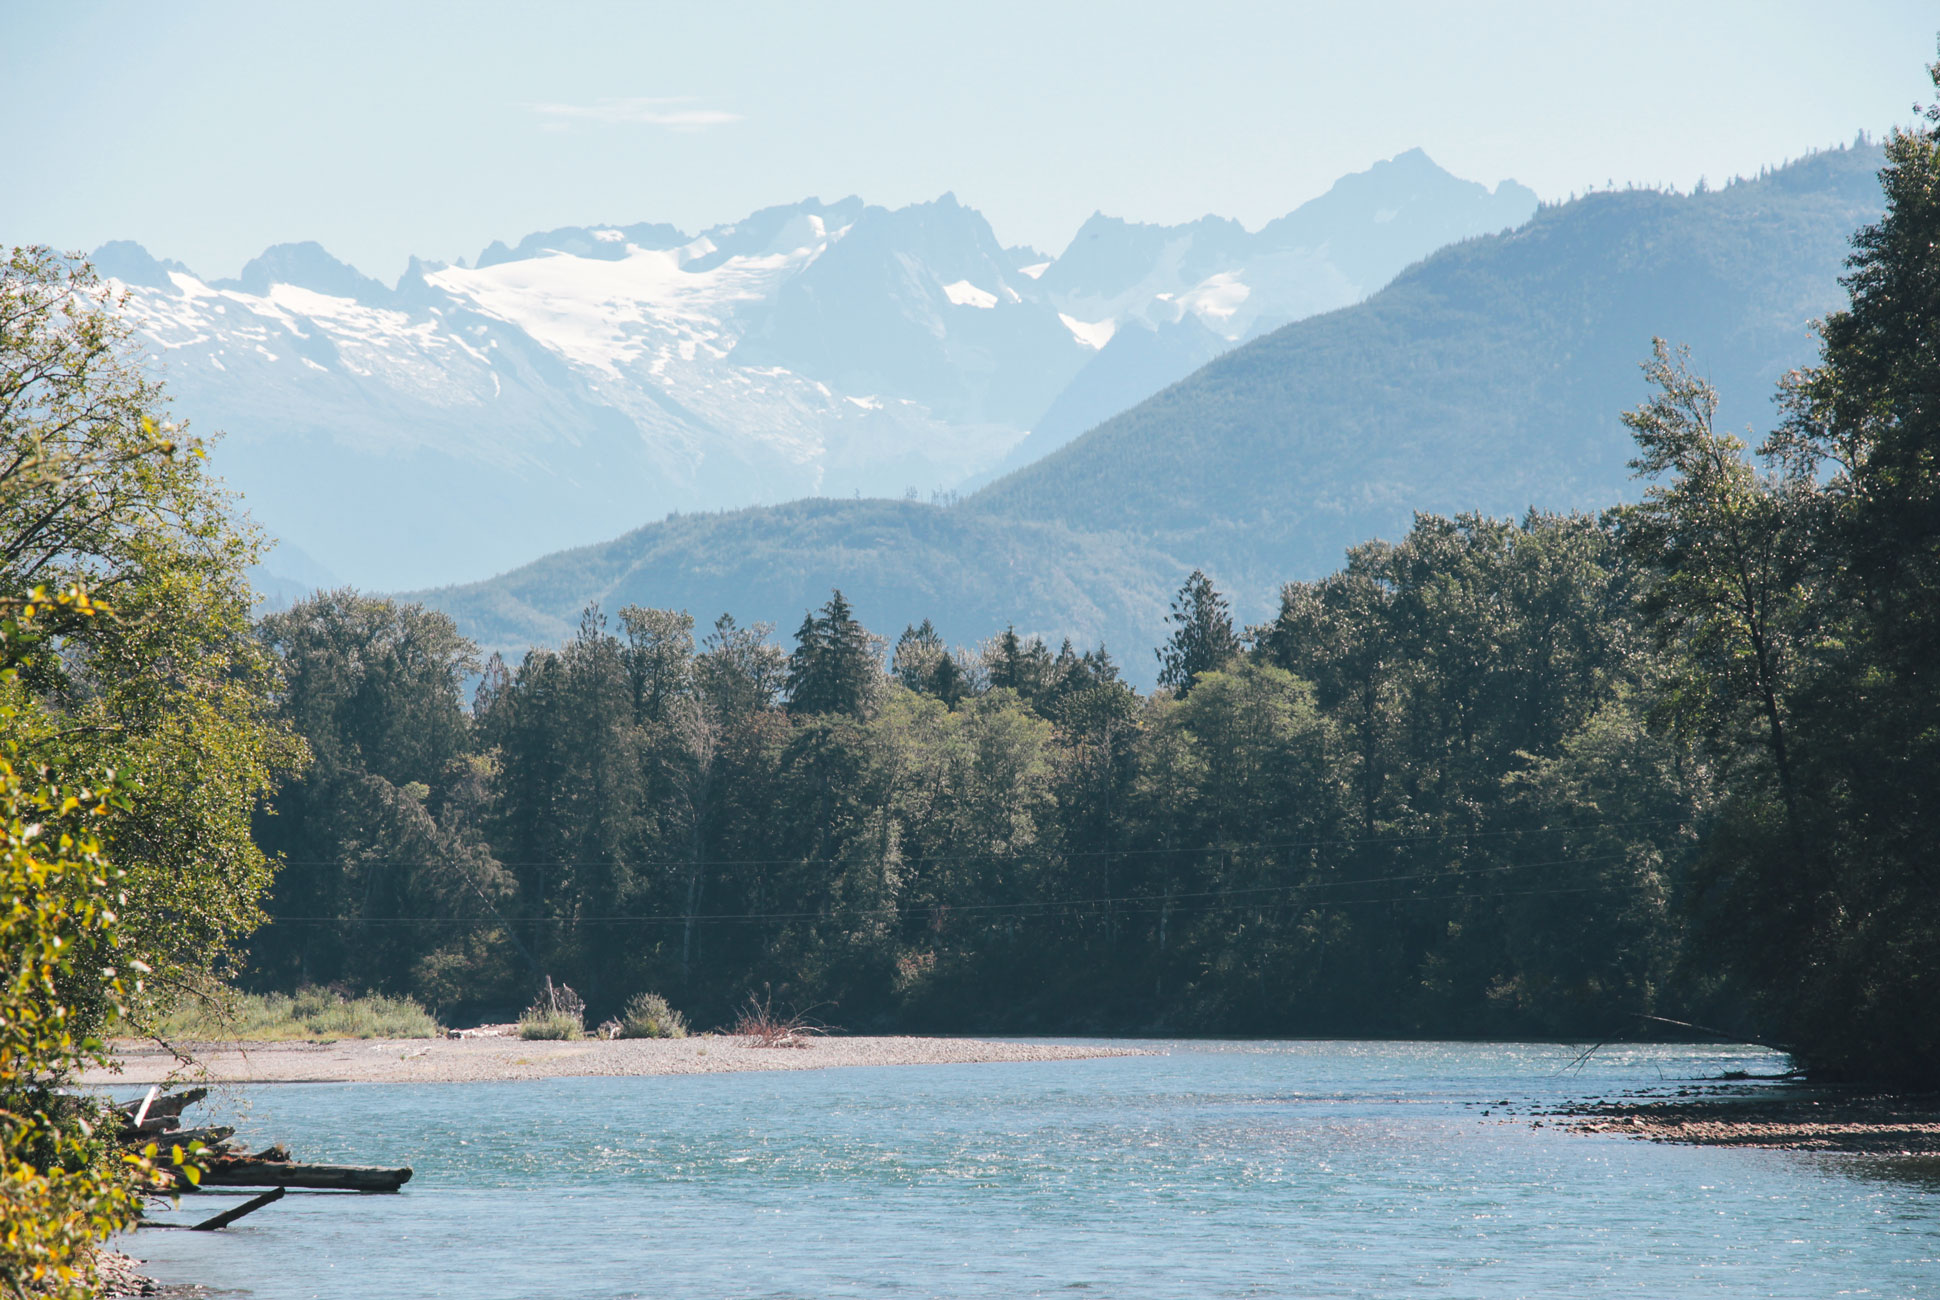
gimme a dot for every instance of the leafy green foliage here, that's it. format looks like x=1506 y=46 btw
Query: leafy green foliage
x=98 y=491
x=61 y=1190
x=132 y=713
x=559 y=1013
x=384 y=822
x=925 y=665
x=550 y=1026
x=1798 y=603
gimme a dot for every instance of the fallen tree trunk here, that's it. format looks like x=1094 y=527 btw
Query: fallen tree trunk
x=288 y=1173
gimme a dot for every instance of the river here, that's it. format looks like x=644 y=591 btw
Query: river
x=1295 y=1169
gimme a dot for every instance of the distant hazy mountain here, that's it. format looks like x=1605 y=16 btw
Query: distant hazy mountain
x=1488 y=377
x=1176 y=296
x=590 y=378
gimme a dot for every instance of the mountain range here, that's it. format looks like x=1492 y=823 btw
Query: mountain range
x=587 y=379
x=1489 y=377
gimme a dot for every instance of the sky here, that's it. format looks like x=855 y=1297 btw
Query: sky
x=208 y=131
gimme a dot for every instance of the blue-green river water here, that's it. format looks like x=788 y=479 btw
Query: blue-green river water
x=1299 y=1169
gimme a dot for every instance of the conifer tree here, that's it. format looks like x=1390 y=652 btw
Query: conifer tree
x=834 y=665
x=1202 y=637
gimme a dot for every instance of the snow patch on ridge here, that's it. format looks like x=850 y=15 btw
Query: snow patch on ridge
x=606 y=315
x=1093 y=334
x=965 y=294
x=1218 y=296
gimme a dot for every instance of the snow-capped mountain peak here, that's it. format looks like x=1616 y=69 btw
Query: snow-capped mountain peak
x=591 y=378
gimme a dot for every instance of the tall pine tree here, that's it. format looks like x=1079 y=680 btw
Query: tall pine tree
x=834 y=666
x=1202 y=639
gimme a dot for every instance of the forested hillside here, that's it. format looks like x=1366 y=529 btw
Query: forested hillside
x=1488 y=377
x=970 y=572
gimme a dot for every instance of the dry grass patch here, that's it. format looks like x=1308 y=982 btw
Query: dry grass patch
x=763 y=1026
x=228 y=1016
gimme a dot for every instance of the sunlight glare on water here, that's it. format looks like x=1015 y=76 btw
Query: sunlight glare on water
x=1215 y=1169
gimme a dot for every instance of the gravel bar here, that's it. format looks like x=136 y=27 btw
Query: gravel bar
x=1805 y=1120
x=465 y=1060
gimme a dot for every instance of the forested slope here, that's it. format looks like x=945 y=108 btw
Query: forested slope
x=899 y=561
x=1489 y=377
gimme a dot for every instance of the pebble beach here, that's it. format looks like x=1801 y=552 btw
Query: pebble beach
x=491 y=1057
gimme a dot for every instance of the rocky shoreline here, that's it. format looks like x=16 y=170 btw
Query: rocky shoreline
x=1786 y=1119
x=120 y=1276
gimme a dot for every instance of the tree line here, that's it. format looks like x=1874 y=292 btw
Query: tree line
x=1365 y=816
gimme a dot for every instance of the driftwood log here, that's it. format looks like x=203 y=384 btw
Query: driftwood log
x=208 y=1137
x=172 y=1104
x=154 y=1118
x=289 y=1173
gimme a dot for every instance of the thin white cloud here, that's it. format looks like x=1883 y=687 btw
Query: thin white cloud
x=673 y=114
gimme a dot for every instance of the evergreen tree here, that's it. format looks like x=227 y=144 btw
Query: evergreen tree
x=1202 y=639
x=1014 y=663
x=834 y=666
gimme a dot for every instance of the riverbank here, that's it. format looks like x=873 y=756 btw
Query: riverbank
x=121 y=1278
x=482 y=1059
x=1783 y=1119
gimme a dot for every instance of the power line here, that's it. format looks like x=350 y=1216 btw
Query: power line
x=1062 y=854
x=1129 y=904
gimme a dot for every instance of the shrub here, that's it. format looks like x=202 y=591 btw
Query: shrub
x=763 y=1026
x=549 y=1024
x=648 y=1016
x=557 y=1013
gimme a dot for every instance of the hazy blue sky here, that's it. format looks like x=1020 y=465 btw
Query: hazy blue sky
x=209 y=130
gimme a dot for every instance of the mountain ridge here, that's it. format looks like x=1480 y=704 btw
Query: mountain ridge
x=1487 y=376
x=1724 y=271
x=567 y=386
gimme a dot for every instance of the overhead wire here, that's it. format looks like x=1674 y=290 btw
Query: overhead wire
x=1064 y=854
x=1129 y=904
